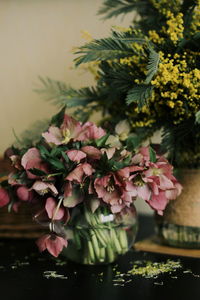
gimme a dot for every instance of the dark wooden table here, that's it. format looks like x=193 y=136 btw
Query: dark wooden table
x=22 y=276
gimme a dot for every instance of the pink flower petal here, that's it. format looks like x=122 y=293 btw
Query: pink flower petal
x=76 y=155
x=68 y=189
x=92 y=152
x=76 y=174
x=92 y=131
x=144 y=192
x=109 y=152
x=50 y=207
x=54 y=244
x=165 y=183
x=87 y=168
x=158 y=202
x=24 y=194
x=42 y=188
x=53 y=136
x=32 y=153
x=4 y=197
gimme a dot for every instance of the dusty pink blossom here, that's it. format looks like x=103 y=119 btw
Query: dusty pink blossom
x=78 y=173
x=50 y=207
x=53 y=136
x=117 y=193
x=76 y=155
x=4 y=197
x=53 y=243
x=91 y=152
x=92 y=132
x=24 y=194
x=31 y=154
x=43 y=188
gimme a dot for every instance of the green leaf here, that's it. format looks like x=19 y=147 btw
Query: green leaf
x=139 y=94
x=152 y=155
x=55 y=152
x=114 y=8
x=101 y=142
x=57 y=119
x=43 y=151
x=152 y=66
x=133 y=142
x=56 y=163
x=102 y=50
x=64 y=155
x=37 y=172
x=197 y=117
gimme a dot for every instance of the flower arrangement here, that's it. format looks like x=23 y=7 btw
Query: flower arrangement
x=150 y=70
x=75 y=167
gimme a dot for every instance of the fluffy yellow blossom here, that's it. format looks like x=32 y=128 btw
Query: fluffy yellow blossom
x=154 y=37
x=175 y=26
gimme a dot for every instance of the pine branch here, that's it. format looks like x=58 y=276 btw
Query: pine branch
x=139 y=94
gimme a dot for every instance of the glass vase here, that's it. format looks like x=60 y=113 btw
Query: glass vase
x=99 y=237
x=180 y=224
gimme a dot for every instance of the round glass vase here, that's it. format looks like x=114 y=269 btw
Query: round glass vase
x=99 y=237
x=180 y=224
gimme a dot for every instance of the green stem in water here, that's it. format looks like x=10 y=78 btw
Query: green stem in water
x=123 y=240
x=91 y=252
x=95 y=244
x=77 y=239
x=102 y=254
x=110 y=253
x=115 y=241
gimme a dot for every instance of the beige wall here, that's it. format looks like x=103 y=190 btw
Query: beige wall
x=36 y=39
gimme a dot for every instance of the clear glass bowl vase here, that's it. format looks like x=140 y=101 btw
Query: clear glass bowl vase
x=99 y=237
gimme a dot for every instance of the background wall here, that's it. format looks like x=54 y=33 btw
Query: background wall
x=37 y=37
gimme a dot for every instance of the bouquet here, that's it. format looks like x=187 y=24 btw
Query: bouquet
x=78 y=167
x=151 y=71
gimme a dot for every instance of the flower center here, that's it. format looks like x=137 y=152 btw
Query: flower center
x=67 y=136
x=156 y=171
x=110 y=188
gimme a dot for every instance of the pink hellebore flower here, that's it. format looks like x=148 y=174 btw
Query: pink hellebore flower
x=53 y=243
x=32 y=159
x=70 y=129
x=164 y=186
x=92 y=132
x=78 y=173
x=4 y=197
x=31 y=154
x=50 y=206
x=114 y=194
x=76 y=155
x=53 y=136
x=24 y=194
x=43 y=187
x=92 y=152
